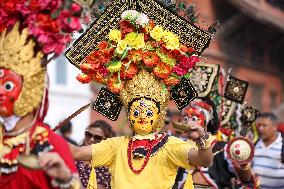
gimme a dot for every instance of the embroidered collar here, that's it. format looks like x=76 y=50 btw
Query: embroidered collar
x=141 y=147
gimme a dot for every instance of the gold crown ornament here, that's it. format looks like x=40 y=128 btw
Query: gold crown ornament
x=18 y=55
x=145 y=85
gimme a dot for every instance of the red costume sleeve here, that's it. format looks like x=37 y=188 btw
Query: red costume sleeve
x=62 y=148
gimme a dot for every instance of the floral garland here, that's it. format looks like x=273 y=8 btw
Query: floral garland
x=137 y=45
x=50 y=22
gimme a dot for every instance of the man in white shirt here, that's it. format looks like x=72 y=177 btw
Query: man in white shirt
x=267 y=163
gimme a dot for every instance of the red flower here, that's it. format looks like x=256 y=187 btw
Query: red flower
x=162 y=70
x=84 y=78
x=103 y=45
x=135 y=55
x=147 y=37
x=176 y=54
x=186 y=49
x=94 y=59
x=150 y=58
x=103 y=71
x=151 y=24
x=171 y=80
x=191 y=50
x=183 y=48
x=128 y=73
x=87 y=68
x=180 y=70
x=114 y=85
x=163 y=48
x=10 y=6
x=98 y=77
x=126 y=27
x=100 y=57
x=188 y=62
x=46 y=23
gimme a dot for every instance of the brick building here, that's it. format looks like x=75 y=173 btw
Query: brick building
x=249 y=42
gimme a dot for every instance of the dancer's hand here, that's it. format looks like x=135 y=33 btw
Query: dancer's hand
x=54 y=166
x=196 y=132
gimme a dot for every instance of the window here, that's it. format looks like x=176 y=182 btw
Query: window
x=61 y=71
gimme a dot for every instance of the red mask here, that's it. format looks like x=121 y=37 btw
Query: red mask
x=10 y=89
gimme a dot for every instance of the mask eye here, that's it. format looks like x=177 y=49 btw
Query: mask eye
x=136 y=113
x=149 y=113
x=185 y=119
x=194 y=118
x=9 y=86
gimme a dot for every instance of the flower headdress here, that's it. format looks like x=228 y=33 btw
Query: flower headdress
x=138 y=45
x=137 y=55
x=29 y=32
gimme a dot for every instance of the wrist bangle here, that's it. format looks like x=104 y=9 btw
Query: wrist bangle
x=65 y=185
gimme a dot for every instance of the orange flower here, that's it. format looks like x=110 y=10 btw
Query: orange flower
x=171 y=80
x=103 y=45
x=84 y=78
x=186 y=49
x=87 y=68
x=162 y=70
x=135 y=55
x=114 y=85
x=128 y=73
x=150 y=58
x=99 y=78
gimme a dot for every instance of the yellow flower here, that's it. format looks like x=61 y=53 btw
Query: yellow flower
x=140 y=43
x=171 y=40
x=173 y=43
x=121 y=46
x=135 y=40
x=157 y=33
x=114 y=35
x=114 y=67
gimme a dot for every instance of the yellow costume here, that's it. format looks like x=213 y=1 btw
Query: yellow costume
x=164 y=165
x=140 y=64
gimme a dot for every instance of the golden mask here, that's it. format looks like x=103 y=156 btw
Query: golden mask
x=17 y=54
x=143 y=115
x=145 y=85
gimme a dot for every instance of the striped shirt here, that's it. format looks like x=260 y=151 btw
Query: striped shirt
x=267 y=164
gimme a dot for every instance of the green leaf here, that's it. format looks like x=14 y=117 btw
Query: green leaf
x=166 y=59
x=187 y=76
x=124 y=54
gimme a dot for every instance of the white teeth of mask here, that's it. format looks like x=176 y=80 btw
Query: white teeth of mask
x=10 y=122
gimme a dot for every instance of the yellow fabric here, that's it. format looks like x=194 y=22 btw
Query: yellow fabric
x=189 y=182
x=92 y=183
x=159 y=173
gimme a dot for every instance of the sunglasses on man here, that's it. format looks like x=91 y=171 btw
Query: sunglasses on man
x=89 y=135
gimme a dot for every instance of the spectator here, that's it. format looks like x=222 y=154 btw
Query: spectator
x=95 y=133
x=66 y=132
x=267 y=163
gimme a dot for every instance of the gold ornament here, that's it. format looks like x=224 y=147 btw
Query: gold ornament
x=144 y=84
x=17 y=54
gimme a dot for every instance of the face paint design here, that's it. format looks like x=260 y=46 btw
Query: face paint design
x=10 y=89
x=143 y=115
